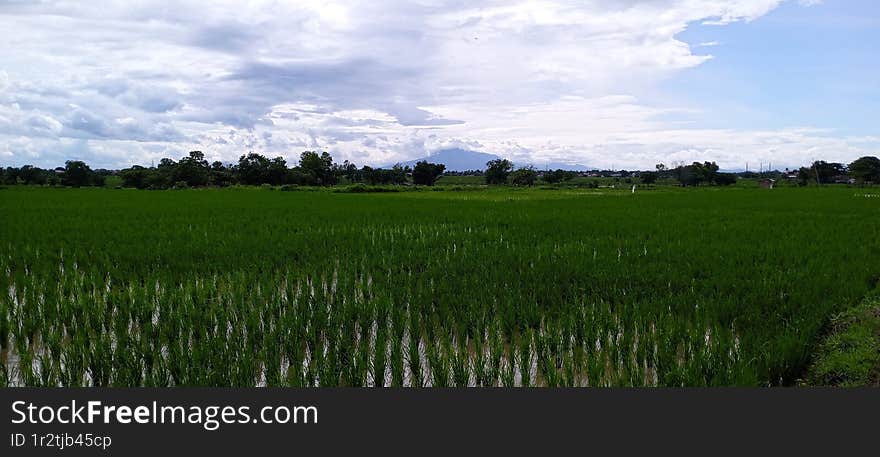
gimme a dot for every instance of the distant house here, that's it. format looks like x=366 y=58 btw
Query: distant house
x=843 y=179
x=767 y=183
x=59 y=170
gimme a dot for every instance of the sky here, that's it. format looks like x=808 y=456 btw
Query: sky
x=604 y=83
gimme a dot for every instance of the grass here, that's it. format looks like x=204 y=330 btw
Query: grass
x=461 y=181
x=849 y=356
x=597 y=287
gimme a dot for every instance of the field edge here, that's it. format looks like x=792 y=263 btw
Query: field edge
x=849 y=353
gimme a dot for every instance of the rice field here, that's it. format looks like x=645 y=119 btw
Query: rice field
x=497 y=287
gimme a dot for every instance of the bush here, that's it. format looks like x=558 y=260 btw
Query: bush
x=557 y=176
x=524 y=177
x=362 y=188
x=725 y=179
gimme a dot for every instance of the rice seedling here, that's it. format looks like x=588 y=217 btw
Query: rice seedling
x=246 y=288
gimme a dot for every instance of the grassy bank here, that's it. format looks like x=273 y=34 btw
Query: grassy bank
x=849 y=355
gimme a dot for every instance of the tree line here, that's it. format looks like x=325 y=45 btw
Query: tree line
x=313 y=169
x=194 y=170
x=695 y=174
x=319 y=169
x=75 y=173
x=864 y=170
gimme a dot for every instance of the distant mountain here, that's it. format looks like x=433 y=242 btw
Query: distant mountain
x=560 y=166
x=457 y=159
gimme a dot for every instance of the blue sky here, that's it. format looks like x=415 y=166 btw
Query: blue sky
x=795 y=66
x=599 y=82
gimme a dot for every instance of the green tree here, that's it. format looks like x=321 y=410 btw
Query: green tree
x=253 y=169
x=497 y=171
x=163 y=177
x=557 y=176
x=648 y=177
x=277 y=172
x=696 y=173
x=804 y=176
x=865 y=170
x=193 y=170
x=136 y=176
x=10 y=176
x=370 y=175
x=30 y=174
x=319 y=167
x=350 y=171
x=687 y=175
x=221 y=175
x=525 y=176
x=707 y=171
x=426 y=174
x=725 y=179
x=77 y=174
x=826 y=171
x=398 y=173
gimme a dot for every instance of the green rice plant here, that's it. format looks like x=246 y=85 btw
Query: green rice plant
x=240 y=288
x=397 y=363
x=497 y=355
x=460 y=361
x=398 y=335
x=414 y=355
x=524 y=357
x=508 y=372
x=479 y=363
x=437 y=354
x=361 y=367
x=380 y=346
x=5 y=377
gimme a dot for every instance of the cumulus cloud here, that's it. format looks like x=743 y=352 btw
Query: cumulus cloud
x=371 y=81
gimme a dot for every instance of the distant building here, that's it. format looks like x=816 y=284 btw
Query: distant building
x=767 y=183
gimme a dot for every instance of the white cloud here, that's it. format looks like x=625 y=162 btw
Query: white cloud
x=371 y=81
